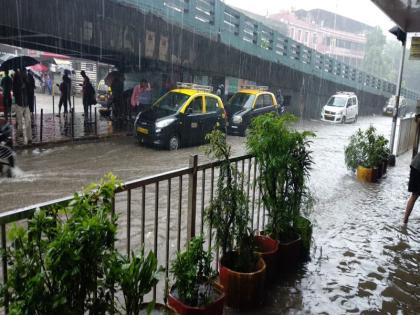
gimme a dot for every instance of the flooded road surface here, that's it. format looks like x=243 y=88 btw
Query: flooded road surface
x=363 y=260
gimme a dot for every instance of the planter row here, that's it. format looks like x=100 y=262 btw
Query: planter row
x=371 y=175
x=245 y=291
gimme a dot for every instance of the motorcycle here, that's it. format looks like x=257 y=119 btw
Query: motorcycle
x=7 y=154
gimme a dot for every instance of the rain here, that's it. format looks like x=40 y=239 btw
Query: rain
x=306 y=56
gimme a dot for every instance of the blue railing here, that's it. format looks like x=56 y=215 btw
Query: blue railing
x=216 y=20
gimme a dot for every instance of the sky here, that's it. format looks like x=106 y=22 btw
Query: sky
x=360 y=10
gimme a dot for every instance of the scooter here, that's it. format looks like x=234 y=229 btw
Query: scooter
x=7 y=154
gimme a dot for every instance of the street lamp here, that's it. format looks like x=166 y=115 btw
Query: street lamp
x=402 y=37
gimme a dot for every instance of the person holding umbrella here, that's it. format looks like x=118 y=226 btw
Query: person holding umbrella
x=30 y=91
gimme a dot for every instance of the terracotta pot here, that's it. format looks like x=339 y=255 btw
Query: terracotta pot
x=243 y=290
x=289 y=254
x=268 y=250
x=214 y=308
x=158 y=309
x=366 y=174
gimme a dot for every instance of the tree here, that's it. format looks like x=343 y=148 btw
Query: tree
x=376 y=62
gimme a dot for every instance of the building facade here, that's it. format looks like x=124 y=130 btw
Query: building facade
x=327 y=33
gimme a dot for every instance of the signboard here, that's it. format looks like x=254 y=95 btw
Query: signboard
x=415 y=48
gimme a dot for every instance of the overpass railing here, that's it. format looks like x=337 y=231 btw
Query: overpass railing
x=218 y=21
x=162 y=212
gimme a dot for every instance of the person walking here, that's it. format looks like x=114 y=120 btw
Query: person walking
x=7 y=85
x=30 y=91
x=63 y=96
x=23 y=115
x=67 y=80
x=88 y=93
x=413 y=186
x=141 y=97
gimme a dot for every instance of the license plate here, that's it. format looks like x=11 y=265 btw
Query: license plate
x=143 y=130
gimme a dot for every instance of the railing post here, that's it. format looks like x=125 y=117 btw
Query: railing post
x=41 y=123
x=4 y=265
x=192 y=197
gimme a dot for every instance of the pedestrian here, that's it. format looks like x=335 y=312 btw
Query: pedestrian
x=279 y=97
x=7 y=85
x=30 y=91
x=413 y=186
x=49 y=84
x=88 y=93
x=67 y=80
x=23 y=115
x=117 y=101
x=63 y=96
x=141 y=98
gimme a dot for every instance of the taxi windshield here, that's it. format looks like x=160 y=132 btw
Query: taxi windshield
x=171 y=102
x=241 y=101
x=337 y=101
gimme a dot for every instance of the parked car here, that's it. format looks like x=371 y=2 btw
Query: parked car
x=342 y=107
x=389 y=109
x=181 y=117
x=246 y=104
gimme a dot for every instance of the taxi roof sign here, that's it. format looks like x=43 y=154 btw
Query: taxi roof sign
x=254 y=87
x=193 y=86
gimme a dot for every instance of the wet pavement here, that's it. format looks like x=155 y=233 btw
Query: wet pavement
x=363 y=260
x=55 y=128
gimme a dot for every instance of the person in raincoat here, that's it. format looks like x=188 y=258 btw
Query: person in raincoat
x=88 y=94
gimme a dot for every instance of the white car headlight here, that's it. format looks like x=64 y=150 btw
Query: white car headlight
x=237 y=119
x=164 y=122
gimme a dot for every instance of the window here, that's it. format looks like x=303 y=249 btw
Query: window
x=89 y=67
x=211 y=104
x=268 y=100
x=196 y=106
x=292 y=32
x=305 y=37
x=260 y=102
x=299 y=34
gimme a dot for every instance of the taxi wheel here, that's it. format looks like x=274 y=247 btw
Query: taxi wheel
x=173 y=143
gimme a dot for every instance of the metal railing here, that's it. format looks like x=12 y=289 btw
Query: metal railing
x=218 y=21
x=164 y=211
x=406 y=134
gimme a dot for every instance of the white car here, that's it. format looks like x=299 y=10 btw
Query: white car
x=341 y=108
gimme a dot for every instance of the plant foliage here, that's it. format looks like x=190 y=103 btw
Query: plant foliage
x=366 y=148
x=228 y=211
x=193 y=274
x=285 y=160
x=65 y=261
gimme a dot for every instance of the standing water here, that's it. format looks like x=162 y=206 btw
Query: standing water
x=363 y=259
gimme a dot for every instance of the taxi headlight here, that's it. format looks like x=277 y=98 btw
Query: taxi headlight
x=164 y=123
x=237 y=119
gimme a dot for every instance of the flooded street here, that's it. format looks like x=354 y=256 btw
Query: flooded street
x=363 y=260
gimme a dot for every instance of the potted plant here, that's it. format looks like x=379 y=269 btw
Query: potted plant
x=367 y=154
x=241 y=270
x=194 y=291
x=58 y=265
x=135 y=276
x=268 y=249
x=284 y=160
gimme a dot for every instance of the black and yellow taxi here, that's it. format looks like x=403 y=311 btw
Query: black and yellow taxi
x=181 y=117
x=247 y=103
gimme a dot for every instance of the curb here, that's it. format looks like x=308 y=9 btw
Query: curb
x=67 y=141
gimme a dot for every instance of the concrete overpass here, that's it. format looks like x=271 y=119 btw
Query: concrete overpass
x=181 y=40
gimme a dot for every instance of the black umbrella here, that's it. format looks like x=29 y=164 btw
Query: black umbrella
x=19 y=62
